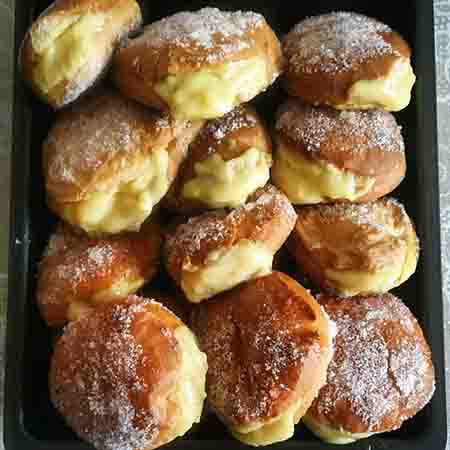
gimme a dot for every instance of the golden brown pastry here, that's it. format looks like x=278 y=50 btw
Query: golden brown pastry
x=129 y=376
x=268 y=344
x=348 y=61
x=351 y=249
x=381 y=373
x=325 y=155
x=108 y=161
x=229 y=160
x=71 y=44
x=218 y=250
x=77 y=273
x=199 y=65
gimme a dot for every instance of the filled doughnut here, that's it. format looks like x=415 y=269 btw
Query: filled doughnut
x=229 y=159
x=199 y=65
x=351 y=249
x=218 y=250
x=71 y=43
x=324 y=155
x=129 y=376
x=381 y=373
x=108 y=161
x=348 y=61
x=78 y=274
x=268 y=344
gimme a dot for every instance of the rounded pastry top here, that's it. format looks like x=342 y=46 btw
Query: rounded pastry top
x=259 y=338
x=78 y=272
x=353 y=140
x=111 y=372
x=206 y=36
x=93 y=141
x=381 y=373
x=340 y=42
x=191 y=243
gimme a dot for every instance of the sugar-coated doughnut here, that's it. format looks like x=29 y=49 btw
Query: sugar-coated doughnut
x=348 y=61
x=199 y=65
x=108 y=161
x=77 y=273
x=129 y=376
x=381 y=373
x=218 y=250
x=268 y=344
x=71 y=43
x=229 y=159
x=325 y=155
x=351 y=249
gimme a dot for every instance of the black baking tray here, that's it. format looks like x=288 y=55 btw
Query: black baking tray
x=31 y=423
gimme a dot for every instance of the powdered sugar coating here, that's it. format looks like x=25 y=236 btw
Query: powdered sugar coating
x=99 y=377
x=258 y=339
x=335 y=42
x=97 y=130
x=207 y=29
x=75 y=268
x=351 y=131
x=218 y=230
x=381 y=370
x=382 y=215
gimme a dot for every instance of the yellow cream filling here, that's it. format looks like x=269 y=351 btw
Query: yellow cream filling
x=392 y=92
x=221 y=184
x=307 y=182
x=119 y=289
x=189 y=393
x=277 y=430
x=226 y=269
x=64 y=50
x=355 y=282
x=213 y=92
x=127 y=206
x=332 y=435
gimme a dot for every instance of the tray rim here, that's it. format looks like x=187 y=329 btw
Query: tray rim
x=15 y=435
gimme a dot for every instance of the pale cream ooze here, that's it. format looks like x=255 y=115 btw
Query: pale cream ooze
x=125 y=207
x=332 y=435
x=212 y=92
x=308 y=182
x=64 y=49
x=189 y=393
x=226 y=269
x=221 y=184
x=392 y=92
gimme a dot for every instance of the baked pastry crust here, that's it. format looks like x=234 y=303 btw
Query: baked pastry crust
x=206 y=181
x=78 y=274
x=268 y=344
x=129 y=376
x=265 y=220
x=327 y=55
x=351 y=249
x=381 y=373
x=190 y=42
x=106 y=143
x=72 y=43
x=347 y=147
